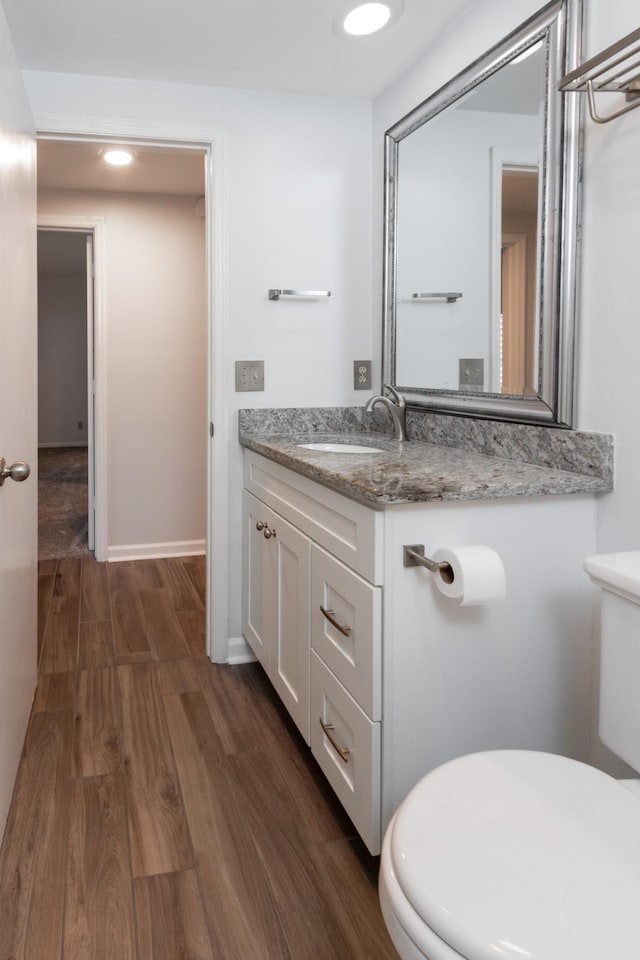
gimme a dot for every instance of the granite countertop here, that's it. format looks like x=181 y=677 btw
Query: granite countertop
x=415 y=471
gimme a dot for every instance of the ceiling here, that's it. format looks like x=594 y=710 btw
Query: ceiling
x=68 y=165
x=280 y=45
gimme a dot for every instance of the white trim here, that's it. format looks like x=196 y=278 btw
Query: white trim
x=96 y=227
x=215 y=139
x=500 y=158
x=157 y=551
x=90 y=264
x=239 y=651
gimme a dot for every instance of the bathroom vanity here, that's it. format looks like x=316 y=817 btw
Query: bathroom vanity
x=384 y=676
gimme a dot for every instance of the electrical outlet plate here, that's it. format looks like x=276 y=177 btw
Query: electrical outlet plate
x=249 y=375
x=471 y=373
x=362 y=374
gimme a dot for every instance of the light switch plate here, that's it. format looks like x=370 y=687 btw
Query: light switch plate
x=362 y=374
x=249 y=375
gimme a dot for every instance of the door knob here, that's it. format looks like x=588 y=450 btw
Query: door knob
x=17 y=471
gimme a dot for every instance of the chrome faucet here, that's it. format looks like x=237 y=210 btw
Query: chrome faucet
x=396 y=406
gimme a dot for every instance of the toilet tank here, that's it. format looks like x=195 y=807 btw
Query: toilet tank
x=618 y=575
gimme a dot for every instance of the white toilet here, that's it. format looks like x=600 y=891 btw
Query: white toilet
x=518 y=855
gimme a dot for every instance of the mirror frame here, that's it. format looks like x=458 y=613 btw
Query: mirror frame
x=560 y=22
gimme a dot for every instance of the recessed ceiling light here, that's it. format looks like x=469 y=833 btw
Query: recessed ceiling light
x=118 y=158
x=354 y=19
x=367 y=18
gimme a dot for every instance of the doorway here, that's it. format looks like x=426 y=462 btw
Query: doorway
x=150 y=299
x=66 y=463
x=214 y=139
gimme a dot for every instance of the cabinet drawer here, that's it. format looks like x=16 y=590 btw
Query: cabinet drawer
x=346 y=628
x=348 y=530
x=355 y=776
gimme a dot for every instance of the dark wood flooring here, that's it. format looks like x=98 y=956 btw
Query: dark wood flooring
x=166 y=807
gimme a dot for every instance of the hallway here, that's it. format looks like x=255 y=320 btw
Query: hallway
x=166 y=807
x=62 y=502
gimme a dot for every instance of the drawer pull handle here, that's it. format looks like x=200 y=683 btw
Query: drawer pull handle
x=260 y=526
x=330 y=616
x=268 y=533
x=343 y=752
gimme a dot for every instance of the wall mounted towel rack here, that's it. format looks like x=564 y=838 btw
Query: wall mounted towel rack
x=614 y=70
x=449 y=297
x=310 y=294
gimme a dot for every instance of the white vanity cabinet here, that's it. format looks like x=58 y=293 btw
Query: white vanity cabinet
x=312 y=614
x=385 y=688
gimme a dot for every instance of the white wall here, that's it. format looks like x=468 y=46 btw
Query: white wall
x=299 y=205
x=62 y=356
x=609 y=331
x=155 y=334
x=610 y=327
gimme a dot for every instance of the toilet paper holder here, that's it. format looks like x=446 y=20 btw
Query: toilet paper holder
x=413 y=556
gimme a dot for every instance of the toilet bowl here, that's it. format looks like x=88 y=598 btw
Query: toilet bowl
x=522 y=855
x=513 y=854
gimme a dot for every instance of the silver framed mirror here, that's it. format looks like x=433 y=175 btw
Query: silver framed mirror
x=482 y=222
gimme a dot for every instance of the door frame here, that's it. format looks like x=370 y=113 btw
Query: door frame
x=97 y=344
x=505 y=158
x=214 y=140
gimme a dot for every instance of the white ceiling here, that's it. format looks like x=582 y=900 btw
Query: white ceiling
x=282 y=45
x=70 y=165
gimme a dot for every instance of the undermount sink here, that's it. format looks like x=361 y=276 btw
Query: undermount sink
x=340 y=448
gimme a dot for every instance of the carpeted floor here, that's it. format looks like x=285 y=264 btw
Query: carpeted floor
x=62 y=502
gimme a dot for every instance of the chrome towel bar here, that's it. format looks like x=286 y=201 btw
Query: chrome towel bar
x=449 y=297
x=275 y=294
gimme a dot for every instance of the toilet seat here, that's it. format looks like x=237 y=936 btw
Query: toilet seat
x=515 y=854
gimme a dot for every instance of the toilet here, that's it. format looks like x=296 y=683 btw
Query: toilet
x=520 y=855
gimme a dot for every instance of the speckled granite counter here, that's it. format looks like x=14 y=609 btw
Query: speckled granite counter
x=411 y=472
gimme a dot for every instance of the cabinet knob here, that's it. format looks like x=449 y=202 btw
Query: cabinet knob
x=268 y=533
x=260 y=526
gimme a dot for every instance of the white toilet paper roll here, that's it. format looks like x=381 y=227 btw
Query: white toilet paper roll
x=478 y=574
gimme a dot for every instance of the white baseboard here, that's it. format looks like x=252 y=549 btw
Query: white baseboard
x=156 y=551
x=63 y=443
x=239 y=651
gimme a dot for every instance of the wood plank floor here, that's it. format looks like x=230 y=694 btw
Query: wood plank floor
x=166 y=808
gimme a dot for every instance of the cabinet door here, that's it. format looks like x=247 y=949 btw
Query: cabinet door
x=290 y=560
x=256 y=577
x=275 y=604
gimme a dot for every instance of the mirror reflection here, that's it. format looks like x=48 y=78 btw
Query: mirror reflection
x=468 y=177
x=476 y=229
